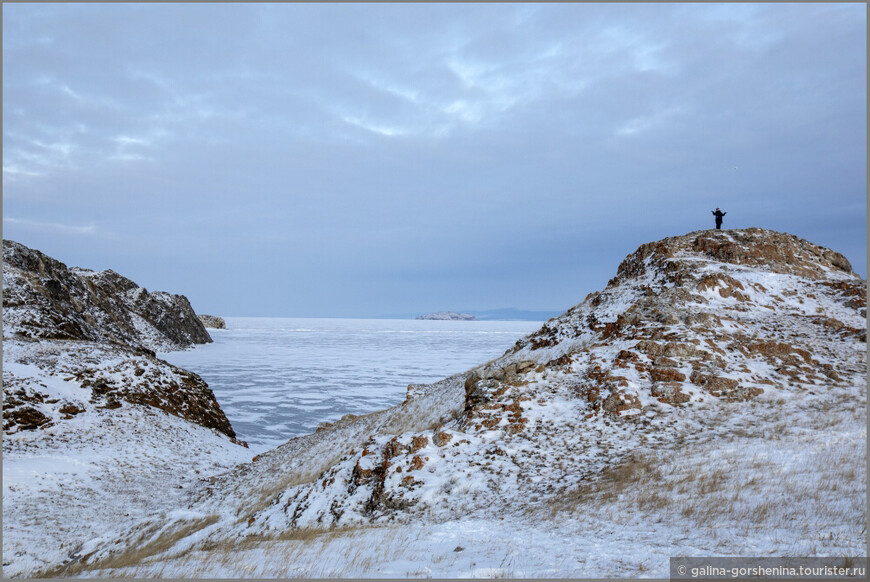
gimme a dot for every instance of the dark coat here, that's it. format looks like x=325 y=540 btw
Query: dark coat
x=718 y=214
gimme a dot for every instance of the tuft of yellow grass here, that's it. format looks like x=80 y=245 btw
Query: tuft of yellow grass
x=804 y=470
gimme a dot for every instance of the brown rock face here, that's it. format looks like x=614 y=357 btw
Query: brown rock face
x=782 y=351
x=727 y=286
x=418 y=442
x=70 y=410
x=781 y=253
x=25 y=418
x=666 y=375
x=186 y=395
x=43 y=298
x=669 y=392
x=95 y=318
x=361 y=476
x=620 y=402
x=441 y=438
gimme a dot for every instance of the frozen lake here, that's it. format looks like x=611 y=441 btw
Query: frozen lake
x=276 y=378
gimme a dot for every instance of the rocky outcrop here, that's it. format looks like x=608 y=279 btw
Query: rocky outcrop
x=93 y=336
x=98 y=376
x=719 y=290
x=44 y=299
x=751 y=247
x=212 y=321
x=448 y=316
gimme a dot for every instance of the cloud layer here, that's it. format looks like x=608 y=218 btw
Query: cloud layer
x=352 y=160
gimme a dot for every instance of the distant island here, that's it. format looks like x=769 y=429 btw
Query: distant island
x=448 y=316
x=504 y=314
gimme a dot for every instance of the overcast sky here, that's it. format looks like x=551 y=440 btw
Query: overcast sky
x=358 y=160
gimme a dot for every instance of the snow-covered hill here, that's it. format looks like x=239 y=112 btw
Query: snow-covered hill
x=709 y=401
x=98 y=431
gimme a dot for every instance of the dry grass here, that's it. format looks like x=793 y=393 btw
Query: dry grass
x=313 y=550
x=134 y=555
x=799 y=471
x=755 y=471
x=637 y=471
x=348 y=552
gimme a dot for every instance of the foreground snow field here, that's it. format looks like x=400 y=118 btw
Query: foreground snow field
x=711 y=400
x=756 y=479
x=100 y=471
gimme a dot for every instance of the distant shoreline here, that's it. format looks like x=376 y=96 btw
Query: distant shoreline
x=504 y=314
x=402 y=317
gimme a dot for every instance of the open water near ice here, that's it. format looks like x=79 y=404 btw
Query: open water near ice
x=277 y=378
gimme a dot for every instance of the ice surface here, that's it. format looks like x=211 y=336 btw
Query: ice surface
x=276 y=378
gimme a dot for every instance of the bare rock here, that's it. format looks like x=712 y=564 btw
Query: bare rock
x=419 y=442
x=669 y=392
x=212 y=321
x=666 y=375
x=24 y=418
x=43 y=298
x=441 y=438
x=619 y=402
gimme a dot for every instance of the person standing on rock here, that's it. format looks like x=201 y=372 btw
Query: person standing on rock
x=718 y=214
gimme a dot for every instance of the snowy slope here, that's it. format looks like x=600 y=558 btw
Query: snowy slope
x=686 y=409
x=98 y=432
x=97 y=437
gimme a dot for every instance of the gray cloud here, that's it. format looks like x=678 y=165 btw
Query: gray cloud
x=361 y=159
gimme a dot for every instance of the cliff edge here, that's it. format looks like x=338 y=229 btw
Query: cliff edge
x=44 y=299
x=99 y=330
